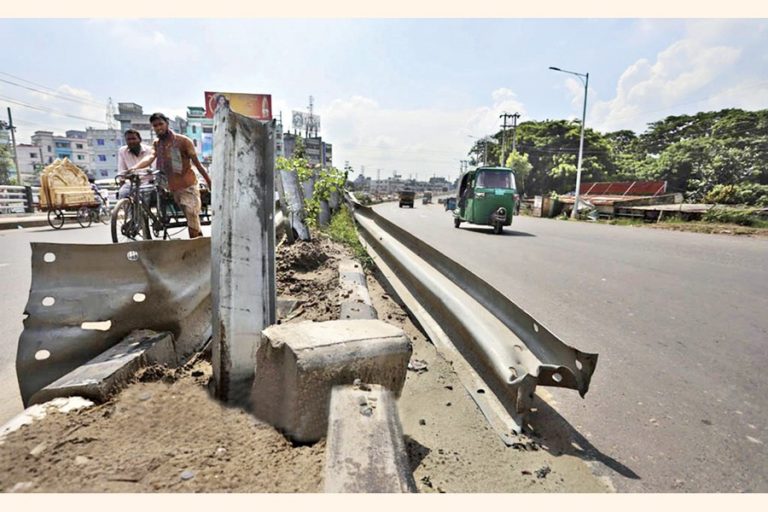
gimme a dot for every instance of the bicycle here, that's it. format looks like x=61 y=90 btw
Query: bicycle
x=131 y=215
x=95 y=214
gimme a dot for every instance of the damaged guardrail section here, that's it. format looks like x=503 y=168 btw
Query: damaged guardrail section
x=508 y=349
x=85 y=299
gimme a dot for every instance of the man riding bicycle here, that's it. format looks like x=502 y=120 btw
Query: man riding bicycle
x=174 y=155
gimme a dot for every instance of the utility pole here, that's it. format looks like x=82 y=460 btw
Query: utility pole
x=13 y=141
x=503 y=116
x=514 y=131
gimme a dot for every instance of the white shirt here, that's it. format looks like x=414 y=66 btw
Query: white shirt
x=127 y=160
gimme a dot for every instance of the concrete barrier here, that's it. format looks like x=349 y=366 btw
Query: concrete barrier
x=355 y=299
x=298 y=364
x=101 y=377
x=365 y=451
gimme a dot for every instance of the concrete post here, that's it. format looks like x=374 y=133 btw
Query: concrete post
x=293 y=198
x=242 y=249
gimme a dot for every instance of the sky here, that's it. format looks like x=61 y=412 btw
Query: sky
x=404 y=95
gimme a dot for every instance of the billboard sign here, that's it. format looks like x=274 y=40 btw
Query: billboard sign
x=257 y=106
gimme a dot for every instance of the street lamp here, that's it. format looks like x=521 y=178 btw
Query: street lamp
x=585 y=81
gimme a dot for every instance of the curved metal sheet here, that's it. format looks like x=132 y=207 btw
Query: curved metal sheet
x=158 y=285
x=510 y=349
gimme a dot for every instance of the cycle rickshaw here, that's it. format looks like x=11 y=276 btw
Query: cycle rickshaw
x=150 y=211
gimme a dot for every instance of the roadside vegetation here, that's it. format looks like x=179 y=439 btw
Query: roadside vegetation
x=711 y=157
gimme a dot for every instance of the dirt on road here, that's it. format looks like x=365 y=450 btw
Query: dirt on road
x=164 y=433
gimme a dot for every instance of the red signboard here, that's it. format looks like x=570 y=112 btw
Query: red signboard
x=258 y=106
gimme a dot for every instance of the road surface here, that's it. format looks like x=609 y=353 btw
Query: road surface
x=678 y=402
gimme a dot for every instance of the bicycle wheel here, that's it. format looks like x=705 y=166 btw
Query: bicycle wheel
x=128 y=222
x=56 y=218
x=84 y=217
x=104 y=214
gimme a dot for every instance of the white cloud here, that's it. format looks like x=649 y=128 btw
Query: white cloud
x=717 y=65
x=422 y=142
x=64 y=108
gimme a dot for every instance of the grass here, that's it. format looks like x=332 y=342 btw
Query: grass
x=342 y=229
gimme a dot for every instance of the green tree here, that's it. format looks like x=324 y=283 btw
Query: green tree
x=6 y=166
x=521 y=167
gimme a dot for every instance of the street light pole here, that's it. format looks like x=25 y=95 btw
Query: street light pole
x=581 y=139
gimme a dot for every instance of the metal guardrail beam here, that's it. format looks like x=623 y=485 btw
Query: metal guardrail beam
x=505 y=350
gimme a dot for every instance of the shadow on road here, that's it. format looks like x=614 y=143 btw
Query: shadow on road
x=489 y=231
x=558 y=437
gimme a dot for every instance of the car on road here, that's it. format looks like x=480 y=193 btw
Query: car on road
x=486 y=196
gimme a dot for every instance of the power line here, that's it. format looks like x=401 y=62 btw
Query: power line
x=54 y=91
x=54 y=95
x=45 y=109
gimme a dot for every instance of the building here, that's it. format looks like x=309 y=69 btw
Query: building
x=73 y=145
x=103 y=145
x=131 y=116
x=200 y=129
x=316 y=151
x=30 y=163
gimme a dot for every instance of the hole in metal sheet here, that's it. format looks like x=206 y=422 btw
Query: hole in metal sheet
x=97 y=326
x=49 y=301
x=481 y=391
x=519 y=348
x=132 y=256
x=49 y=257
x=557 y=377
x=579 y=365
x=536 y=327
x=42 y=355
x=512 y=373
x=139 y=297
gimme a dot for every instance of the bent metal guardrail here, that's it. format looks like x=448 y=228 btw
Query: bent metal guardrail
x=504 y=349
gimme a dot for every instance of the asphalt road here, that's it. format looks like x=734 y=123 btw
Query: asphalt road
x=15 y=278
x=678 y=402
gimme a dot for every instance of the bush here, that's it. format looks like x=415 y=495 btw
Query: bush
x=734 y=216
x=752 y=194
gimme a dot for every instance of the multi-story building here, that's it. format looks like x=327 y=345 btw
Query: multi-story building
x=131 y=115
x=30 y=163
x=200 y=129
x=103 y=146
x=73 y=145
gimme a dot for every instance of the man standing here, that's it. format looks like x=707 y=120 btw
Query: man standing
x=175 y=155
x=127 y=157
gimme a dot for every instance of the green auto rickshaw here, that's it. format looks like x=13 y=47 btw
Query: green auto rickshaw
x=486 y=196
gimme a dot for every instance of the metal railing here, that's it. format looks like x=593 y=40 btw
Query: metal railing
x=17 y=199
x=500 y=352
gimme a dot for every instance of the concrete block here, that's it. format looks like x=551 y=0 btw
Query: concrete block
x=365 y=451
x=298 y=364
x=355 y=300
x=102 y=376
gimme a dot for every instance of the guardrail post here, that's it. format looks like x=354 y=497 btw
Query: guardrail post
x=292 y=198
x=243 y=249
x=30 y=201
x=324 y=216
